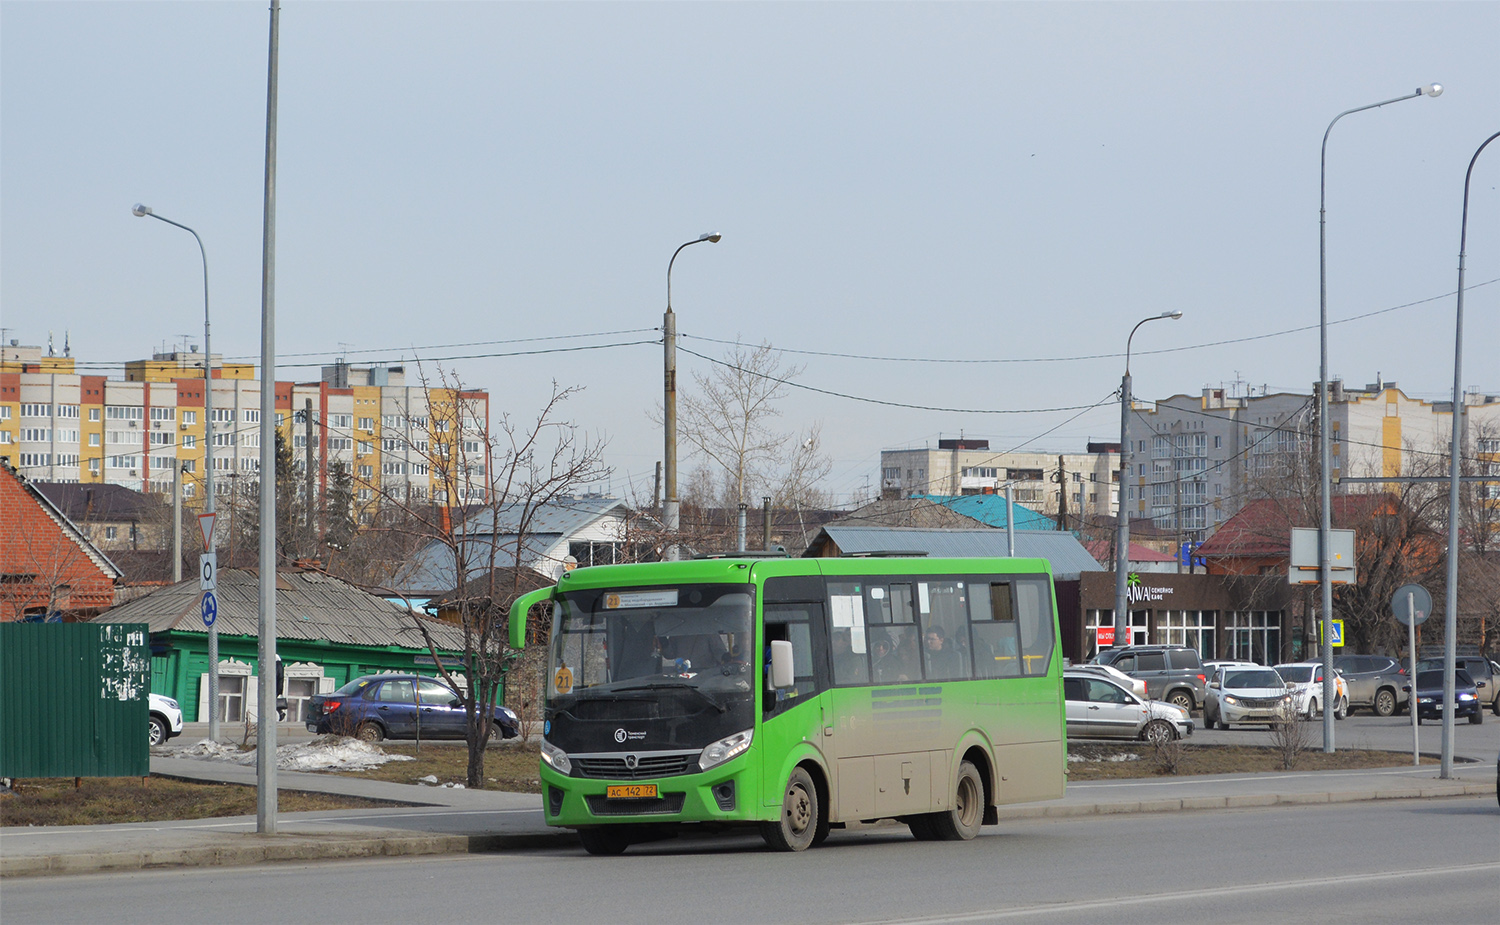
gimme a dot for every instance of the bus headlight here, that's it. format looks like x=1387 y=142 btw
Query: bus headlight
x=557 y=758
x=725 y=749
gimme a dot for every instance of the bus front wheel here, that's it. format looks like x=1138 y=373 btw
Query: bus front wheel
x=801 y=816
x=963 y=820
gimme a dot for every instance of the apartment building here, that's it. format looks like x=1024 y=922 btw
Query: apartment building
x=57 y=425
x=1194 y=461
x=968 y=466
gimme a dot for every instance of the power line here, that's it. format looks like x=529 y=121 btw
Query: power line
x=1099 y=356
x=889 y=404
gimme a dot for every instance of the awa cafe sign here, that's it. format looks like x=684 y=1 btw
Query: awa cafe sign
x=1138 y=592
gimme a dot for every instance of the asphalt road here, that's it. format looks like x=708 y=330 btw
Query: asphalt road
x=1385 y=861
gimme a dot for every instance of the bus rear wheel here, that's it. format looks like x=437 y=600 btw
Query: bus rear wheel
x=962 y=821
x=801 y=816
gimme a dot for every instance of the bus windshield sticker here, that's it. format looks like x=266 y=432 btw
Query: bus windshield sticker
x=629 y=600
x=924 y=603
x=848 y=610
x=877 y=592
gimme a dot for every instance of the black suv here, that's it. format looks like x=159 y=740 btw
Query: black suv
x=1172 y=673
x=1375 y=681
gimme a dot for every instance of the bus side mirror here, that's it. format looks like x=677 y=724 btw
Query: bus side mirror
x=782 y=673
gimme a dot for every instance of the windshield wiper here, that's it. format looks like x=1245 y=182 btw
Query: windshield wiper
x=659 y=686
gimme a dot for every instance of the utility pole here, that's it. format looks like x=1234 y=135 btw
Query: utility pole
x=312 y=515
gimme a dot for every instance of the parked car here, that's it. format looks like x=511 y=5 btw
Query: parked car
x=1429 y=696
x=1479 y=668
x=397 y=706
x=1099 y=708
x=1240 y=694
x=1172 y=673
x=1305 y=679
x=1135 y=685
x=1375 y=681
x=165 y=719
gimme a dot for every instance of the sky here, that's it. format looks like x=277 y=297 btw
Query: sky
x=978 y=201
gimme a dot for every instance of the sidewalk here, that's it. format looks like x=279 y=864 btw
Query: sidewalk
x=437 y=820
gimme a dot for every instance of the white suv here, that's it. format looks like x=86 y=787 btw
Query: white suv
x=166 y=719
x=1245 y=694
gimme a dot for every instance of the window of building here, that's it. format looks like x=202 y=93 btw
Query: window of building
x=67 y=411
x=223 y=416
x=163 y=414
x=367 y=472
x=36 y=411
x=189 y=441
x=35 y=434
x=189 y=417
x=390 y=444
x=250 y=415
x=343 y=421
x=366 y=423
x=366 y=448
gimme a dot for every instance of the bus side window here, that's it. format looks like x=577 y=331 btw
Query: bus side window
x=791 y=622
x=846 y=608
x=1034 y=607
x=997 y=652
x=945 y=631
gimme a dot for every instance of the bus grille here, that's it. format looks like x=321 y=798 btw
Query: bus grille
x=662 y=805
x=613 y=768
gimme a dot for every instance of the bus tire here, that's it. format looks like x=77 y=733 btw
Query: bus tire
x=963 y=820
x=605 y=841
x=921 y=827
x=801 y=815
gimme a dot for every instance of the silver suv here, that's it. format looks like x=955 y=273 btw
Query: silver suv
x=1375 y=681
x=1172 y=673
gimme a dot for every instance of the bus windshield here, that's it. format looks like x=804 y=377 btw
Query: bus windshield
x=610 y=640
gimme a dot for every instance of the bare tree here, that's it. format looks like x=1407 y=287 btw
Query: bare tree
x=486 y=505
x=730 y=419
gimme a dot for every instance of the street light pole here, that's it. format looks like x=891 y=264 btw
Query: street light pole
x=669 y=400
x=143 y=211
x=1325 y=483
x=1450 y=601
x=1122 y=525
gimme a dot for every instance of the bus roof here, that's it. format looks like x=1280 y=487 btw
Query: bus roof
x=740 y=571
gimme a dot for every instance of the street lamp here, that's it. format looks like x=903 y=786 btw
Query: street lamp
x=142 y=211
x=1450 y=602
x=1325 y=483
x=669 y=401
x=1122 y=527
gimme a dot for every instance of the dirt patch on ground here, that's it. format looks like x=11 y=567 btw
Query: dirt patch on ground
x=108 y=800
x=1111 y=761
x=510 y=766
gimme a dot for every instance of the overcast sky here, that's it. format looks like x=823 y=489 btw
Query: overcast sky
x=1018 y=182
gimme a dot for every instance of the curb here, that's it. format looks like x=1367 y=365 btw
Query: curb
x=258 y=849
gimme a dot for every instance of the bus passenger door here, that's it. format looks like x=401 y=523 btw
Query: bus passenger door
x=790 y=717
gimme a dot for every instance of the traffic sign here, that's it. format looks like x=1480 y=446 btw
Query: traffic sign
x=206 y=525
x=1337 y=633
x=208 y=572
x=1409 y=598
x=210 y=608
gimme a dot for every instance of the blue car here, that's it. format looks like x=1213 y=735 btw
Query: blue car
x=398 y=706
x=1429 y=696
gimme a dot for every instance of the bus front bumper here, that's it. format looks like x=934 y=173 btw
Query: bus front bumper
x=727 y=793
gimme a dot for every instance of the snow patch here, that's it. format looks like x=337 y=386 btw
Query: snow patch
x=325 y=753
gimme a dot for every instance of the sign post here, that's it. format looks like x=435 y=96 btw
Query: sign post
x=1411 y=605
x=208 y=583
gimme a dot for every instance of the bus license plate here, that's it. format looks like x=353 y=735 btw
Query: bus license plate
x=630 y=792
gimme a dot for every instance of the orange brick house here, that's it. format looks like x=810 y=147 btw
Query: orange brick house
x=48 y=568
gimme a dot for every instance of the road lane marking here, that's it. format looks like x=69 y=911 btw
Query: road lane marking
x=987 y=915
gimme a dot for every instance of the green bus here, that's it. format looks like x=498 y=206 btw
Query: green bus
x=798 y=696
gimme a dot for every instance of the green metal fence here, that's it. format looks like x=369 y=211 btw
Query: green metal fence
x=73 y=700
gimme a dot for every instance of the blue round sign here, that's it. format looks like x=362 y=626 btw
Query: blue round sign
x=210 y=608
